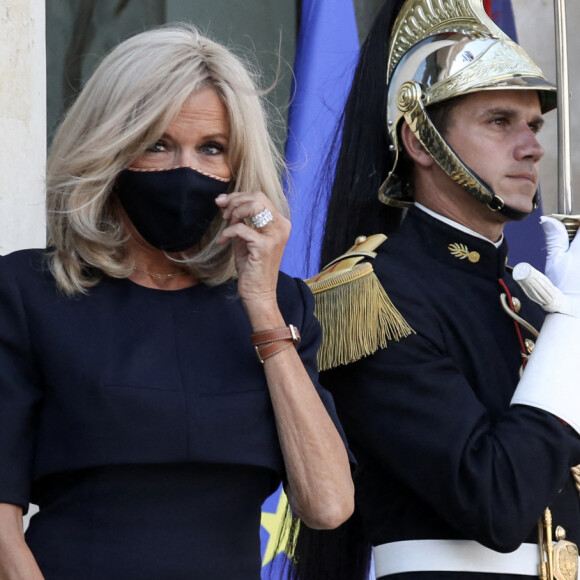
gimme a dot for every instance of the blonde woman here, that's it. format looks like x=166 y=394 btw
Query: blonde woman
x=133 y=408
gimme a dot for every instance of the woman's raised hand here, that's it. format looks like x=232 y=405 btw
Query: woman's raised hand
x=259 y=234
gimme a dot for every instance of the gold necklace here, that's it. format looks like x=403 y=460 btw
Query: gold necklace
x=158 y=276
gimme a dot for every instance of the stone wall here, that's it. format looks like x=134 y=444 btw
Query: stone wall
x=22 y=124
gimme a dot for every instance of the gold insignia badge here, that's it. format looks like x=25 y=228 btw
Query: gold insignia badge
x=565 y=557
x=461 y=251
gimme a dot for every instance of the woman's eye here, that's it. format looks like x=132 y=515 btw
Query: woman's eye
x=212 y=148
x=157 y=147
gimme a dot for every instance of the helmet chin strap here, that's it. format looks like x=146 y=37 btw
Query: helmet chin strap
x=411 y=103
x=512 y=214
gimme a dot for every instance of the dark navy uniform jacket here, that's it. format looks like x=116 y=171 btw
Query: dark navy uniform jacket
x=441 y=453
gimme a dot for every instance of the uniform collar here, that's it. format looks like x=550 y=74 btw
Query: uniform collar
x=456 y=247
x=457 y=225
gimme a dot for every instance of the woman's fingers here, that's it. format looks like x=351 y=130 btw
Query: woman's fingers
x=240 y=206
x=241 y=231
x=256 y=212
x=258 y=243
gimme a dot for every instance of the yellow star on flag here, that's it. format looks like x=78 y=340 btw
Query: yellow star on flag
x=272 y=523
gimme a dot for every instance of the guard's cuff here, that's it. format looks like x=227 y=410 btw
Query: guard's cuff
x=551 y=380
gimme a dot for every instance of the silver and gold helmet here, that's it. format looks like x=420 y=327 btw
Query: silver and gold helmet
x=441 y=49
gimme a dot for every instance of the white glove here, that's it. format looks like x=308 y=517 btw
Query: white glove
x=550 y=381
x=559 y=289
x=563 y=259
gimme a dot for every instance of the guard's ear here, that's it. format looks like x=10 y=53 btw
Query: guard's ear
x=414 y=148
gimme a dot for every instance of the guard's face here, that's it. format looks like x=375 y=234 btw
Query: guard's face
x=495 y=134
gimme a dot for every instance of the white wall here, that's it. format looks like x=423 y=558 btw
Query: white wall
x=22 y=124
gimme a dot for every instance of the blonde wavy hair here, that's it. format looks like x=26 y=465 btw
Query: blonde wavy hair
x=124 y=108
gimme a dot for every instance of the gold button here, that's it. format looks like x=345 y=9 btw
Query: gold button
x=517 y=304
x=560 y=531
x=529 y=345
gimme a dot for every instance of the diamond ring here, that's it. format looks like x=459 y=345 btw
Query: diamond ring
x=262 y=219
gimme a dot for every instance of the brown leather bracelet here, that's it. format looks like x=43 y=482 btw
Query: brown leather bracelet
x=289 y=332
x=270 y=342
x=269 y=350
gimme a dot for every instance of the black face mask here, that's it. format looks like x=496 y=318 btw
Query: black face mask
x=171 y=208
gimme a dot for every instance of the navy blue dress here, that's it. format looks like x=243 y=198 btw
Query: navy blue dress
x=441 y=454
x=139 y=421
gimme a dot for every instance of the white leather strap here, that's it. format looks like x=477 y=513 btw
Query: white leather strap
x=453 y=556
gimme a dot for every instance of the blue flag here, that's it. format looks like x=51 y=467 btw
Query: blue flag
x=325 y=61
x=525 y=238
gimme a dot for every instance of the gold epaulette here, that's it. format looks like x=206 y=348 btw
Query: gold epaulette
x=355 y=312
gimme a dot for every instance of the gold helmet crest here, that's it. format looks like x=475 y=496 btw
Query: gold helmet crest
x=441 y=49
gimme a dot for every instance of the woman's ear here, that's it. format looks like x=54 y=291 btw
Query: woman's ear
x=414 y=148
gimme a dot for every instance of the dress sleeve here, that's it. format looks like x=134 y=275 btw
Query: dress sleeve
x=310 y=333
x=311 y=337
x=419 y=420
x=20 y=393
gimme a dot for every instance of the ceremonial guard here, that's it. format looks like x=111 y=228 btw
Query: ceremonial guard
x=426 y=333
